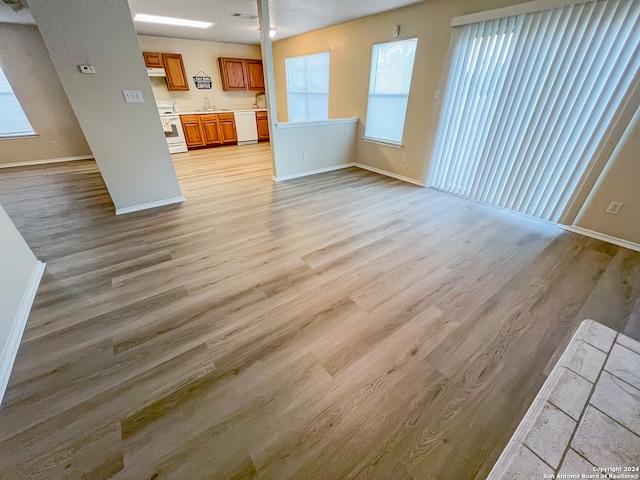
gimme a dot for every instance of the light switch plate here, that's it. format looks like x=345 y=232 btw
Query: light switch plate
x=87 y=69
x=132 y=96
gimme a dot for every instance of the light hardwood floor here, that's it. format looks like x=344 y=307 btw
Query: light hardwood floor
x=344 y=325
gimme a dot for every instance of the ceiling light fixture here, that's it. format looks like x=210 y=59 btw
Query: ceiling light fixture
x=182 y=22
x=272 y=31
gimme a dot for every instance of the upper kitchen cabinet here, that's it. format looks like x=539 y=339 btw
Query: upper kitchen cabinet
x=153 y=59
x=233 y=74
x=255 y=76
x=241 y=74
x=173 y=67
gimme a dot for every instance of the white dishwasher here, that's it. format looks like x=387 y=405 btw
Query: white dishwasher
x=246 y=127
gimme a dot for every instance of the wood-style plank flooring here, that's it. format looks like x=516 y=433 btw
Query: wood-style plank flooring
x=344 y=325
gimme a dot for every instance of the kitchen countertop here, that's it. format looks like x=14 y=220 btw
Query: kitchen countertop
x=230 y=110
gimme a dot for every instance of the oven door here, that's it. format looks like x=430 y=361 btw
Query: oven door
x=175 y=135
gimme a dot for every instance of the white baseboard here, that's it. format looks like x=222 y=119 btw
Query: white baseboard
x=601 y=236
x=45 y=161
x=312 y=172
x=10 y=350
x=346 y=165
x=146 y=206
x=388 y=174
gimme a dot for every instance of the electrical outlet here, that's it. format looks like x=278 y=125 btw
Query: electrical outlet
x=404 y=159
x=436 y=96
x=305 y=156
x=54 y=144
x=132 y=96
x=614 y=207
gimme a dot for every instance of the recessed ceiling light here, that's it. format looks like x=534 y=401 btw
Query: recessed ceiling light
x=182 y=22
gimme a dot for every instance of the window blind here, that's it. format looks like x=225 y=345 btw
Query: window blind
x=389 y=82
x=529 y=100
x=13 y=121
x=308 y=87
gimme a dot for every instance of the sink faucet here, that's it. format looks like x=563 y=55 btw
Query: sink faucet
x=207 y=106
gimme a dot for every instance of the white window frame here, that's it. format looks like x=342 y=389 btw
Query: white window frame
x=373 y=76
x=9 y=98
x=308 y=92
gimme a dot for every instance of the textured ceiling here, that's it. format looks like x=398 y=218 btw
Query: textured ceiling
x=290 y=17
x=7 y=15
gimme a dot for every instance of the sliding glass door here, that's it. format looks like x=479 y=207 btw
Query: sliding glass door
x=529 y=101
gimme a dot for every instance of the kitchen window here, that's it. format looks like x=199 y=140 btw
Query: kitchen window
x=308 y=87
x=13 y=121
x=389 y=82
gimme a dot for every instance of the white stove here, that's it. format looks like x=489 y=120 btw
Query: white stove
x=171 y=126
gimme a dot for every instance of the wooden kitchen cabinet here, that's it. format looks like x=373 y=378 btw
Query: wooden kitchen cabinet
x=174 y=68
x=241 y=74
x=227 y=124
x=210 y=130
x=255 y=75
x=173 y=65
x=153 y=59
x=232 y=73
x=192 y=128
x=262 y=121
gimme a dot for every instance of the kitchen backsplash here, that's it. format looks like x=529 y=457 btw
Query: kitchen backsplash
x=194 y=98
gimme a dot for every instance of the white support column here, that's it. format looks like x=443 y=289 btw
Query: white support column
x=269 y=79
x=126 y=139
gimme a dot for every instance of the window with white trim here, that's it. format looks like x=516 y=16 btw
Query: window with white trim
x=389 y=82
x=308 y=87
x=13 y=121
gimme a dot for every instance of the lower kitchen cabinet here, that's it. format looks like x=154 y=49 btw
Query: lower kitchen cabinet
x=262 y=121
x=209 y=130
x=227 y=124
x=192 y=128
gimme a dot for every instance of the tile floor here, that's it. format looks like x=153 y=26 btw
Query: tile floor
x=586 y=417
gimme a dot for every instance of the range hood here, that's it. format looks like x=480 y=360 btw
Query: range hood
x=156 y=72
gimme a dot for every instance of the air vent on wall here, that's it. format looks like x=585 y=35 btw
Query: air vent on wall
x=246 y=16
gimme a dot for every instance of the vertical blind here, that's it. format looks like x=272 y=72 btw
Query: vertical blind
x=389 y=82
x=308 y=87
x=13 y=121
x=530 y=99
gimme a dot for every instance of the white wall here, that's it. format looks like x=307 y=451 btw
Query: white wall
x=620 y=181
x=126 y=139
x=327 y=146
x=200 y=56
x=25 y=61
x=20 y=274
